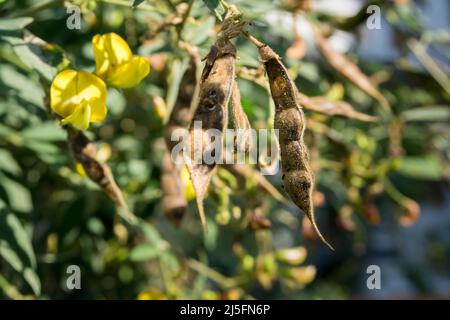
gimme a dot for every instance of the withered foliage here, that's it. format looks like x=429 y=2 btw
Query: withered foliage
x=333 y=108
x=348 y=69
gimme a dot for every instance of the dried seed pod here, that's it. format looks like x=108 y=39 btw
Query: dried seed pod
x=214 y=96
x=240 y=121
x=298 y=179
x=84 y=152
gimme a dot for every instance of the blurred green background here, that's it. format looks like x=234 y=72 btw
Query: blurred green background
x=382 y=187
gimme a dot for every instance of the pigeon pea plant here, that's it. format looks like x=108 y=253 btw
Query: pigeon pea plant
x=86 y=176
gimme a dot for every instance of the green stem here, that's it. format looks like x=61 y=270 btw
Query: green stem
x=224 y=4
x=215 y=276
x=430 y=65
x=9 y=290
x=393 y=192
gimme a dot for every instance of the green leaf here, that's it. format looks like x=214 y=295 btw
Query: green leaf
x=210 y=237
x=137 y=2
x=144 y=252
x=16 y=248
x=47 y=131
x=26 y=88
x=8 y=163
x=197 y=34
x=216 y=7
x=427 y=167
x=176 y=73
x=150 y=233
x=431 y=113
x=14 y=24
x=31 y=55
x=19 y=197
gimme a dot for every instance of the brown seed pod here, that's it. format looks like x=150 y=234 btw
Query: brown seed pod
x=84 y=152
x=239 y=120
x=214 y=95
x=298 y=179
x=215 y=91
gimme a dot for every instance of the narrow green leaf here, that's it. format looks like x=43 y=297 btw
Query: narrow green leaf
x=19 y=197
x=430 y=113
x=47 y=131
x=144 y=252
x=427 y=167
x=16 y=248
x=32 y=56
x=8 y=163
x=15 y=24
x=137 y=2
x=216 y=7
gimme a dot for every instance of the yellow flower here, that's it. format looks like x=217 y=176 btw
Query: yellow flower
x=188 y=188
x=78 y=97
x=152 y=294
x=115 y=62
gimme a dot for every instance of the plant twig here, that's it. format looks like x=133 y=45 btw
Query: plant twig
x=223 y=281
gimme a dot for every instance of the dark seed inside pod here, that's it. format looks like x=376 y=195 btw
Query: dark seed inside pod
x=212 y=94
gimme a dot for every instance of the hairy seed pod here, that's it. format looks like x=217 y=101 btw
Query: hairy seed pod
x=298 y=179
x=240 y=122
x=211 y=112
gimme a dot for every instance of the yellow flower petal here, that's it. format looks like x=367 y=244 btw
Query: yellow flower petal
x=80 y=169
x=98 y=110
x=129 y=74
x=102 y=62
x=80 y=117
x=63 y=93
x=188 y=188
x=117 y=49
x=70 y=88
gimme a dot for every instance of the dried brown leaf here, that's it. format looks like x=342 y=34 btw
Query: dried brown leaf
x=348 y=69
